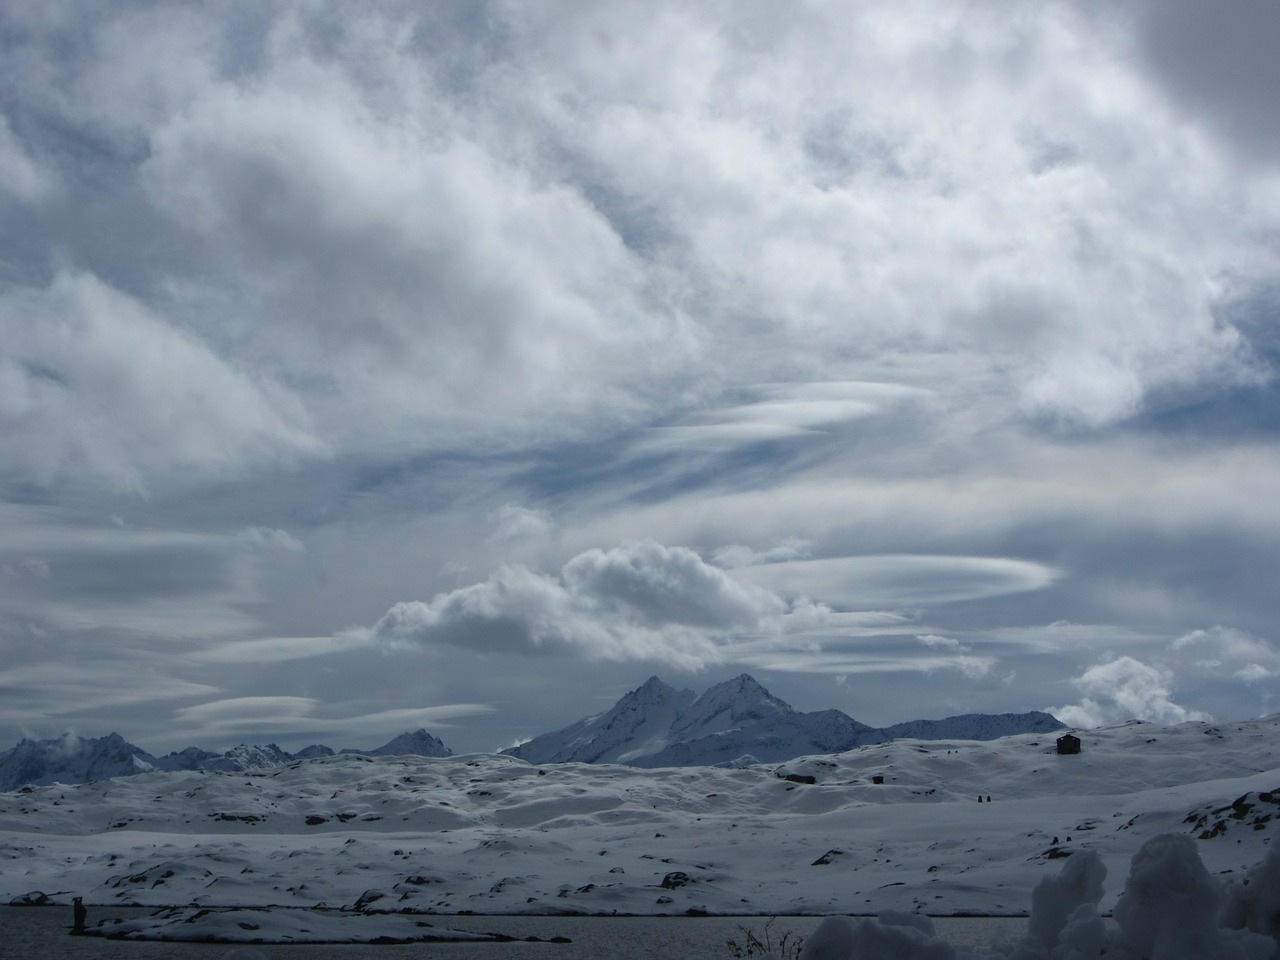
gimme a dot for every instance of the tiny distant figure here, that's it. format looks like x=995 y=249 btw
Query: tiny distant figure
x=79 y=913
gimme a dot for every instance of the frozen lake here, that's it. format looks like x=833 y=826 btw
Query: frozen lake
x=42 y=932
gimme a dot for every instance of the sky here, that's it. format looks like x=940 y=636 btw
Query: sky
x=367 y=367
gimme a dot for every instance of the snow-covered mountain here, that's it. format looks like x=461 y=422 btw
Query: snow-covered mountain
x=639 y=724
x=419 y=743
x=244 y=757
x=72 y=759
x=738 y=722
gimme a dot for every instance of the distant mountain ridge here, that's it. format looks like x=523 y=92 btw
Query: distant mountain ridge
x=72 y=759
x=739 y=722
x=734 y=723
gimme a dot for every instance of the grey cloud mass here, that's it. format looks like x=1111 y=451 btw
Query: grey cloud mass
x=470 y=363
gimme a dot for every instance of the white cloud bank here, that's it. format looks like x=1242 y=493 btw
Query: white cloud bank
x=402 y=224
x=637 y=601
x=1125 y=689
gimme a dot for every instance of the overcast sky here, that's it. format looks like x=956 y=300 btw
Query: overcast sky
x=373 y=366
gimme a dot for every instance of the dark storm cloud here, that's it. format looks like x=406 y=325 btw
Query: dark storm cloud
x=1218 y=61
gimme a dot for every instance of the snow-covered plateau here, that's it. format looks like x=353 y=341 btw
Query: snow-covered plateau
x=955 y=827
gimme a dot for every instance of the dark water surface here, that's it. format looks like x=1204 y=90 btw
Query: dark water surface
x=31 y=932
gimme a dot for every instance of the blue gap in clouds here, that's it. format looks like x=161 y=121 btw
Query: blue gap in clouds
x=1237 y=412
x=651 y=478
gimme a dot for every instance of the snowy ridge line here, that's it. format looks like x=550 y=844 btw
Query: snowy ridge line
x=493 y=834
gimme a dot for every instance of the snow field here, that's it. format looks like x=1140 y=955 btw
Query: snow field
x=494 y=834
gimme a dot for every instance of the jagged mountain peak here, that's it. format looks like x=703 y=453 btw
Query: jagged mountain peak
x=728 y=706
x=654 y=683
x=418 y=743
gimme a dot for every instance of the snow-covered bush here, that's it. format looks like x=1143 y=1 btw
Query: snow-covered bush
x=1171 y=909
x=767 y=945
x=1254 y=904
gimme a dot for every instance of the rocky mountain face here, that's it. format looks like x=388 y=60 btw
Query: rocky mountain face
x=72 y=759
x=739 y=722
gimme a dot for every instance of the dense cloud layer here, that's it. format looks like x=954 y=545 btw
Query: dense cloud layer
x=970 y=301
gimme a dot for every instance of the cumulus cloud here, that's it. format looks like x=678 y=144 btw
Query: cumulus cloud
x=637 y=601
x=393 y=249
x=1125 y=689
x=643 y=600
x=1230 y=651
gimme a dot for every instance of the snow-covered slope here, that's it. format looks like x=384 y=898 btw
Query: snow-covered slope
x=491 y=833
x=728 y=706
x=638 y=724
x=736 y=722
x=767 y=740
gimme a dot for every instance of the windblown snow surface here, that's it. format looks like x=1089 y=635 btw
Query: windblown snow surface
x=1190 y=809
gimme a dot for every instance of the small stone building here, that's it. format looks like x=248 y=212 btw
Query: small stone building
x=1068 y=743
